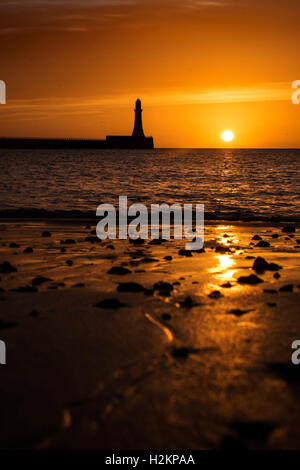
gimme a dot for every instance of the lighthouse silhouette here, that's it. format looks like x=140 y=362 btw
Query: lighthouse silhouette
x=138 y=126
x=137 y=139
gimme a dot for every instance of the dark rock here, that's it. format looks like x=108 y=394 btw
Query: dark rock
x=186 y=253
x=69 y=262
x=188 y=303
x=158 y=241
x=29 y=249
x=182 y=353
x=14 y=245
x=251 y=280
x=202 y=250
x=163 y=287
x=270 y=291
x=69 y=241
x=275 y=236
x=288 y=288
x=250 y=257
x=149 y=260
x=286 y=371
x=289 y=229
x=254 y=430
x=37 y=281
x=34 y=313
x=227 y=285
x=261 y=265
x=119 y=271
x=263 y=244
x=166 y=317
x=256 y=238
x=277 y=276
x=130 y=287
x=137 y=242
x=63 y=250
x=148 y=292
x=6 y=324
x=25 y=289
x=238 y=313
x=93 y=232
x=110 y=304
x=6 y=268
x=223 y=249
x=215 y=295
x=272 y=305
x=92 y=239
x=168 y=258
x=79 y=284
x=46 y=234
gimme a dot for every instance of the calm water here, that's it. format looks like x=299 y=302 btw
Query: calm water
x=255 y=183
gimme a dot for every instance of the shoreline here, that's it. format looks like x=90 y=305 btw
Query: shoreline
x=120 y=345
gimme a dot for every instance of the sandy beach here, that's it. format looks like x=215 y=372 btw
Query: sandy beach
x=128 y=345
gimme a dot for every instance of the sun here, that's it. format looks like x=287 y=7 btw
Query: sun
x=227 y=136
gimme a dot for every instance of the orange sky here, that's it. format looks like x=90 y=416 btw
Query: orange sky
x=73 y=68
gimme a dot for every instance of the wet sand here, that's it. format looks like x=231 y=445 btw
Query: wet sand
x=163 y=351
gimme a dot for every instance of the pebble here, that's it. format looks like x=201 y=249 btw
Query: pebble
x=186 y=253
x=163 y=287
x=238 y=313
x=34 y=313
x=14 y=245
x=263 y=244
x=92 y=239
x=110 y=303
x=188 y=303
x=130 y=287
x=227 y=285
x=46 y=234
x=37 y=281
x=166 y=317
x=182 y=353
x=251 y=280
x=119 y=271
x=260 y=265
x=6 y=268
x=69 y=241
x=288 y=288
x=289 y=229
x=6 y=324
x=215 y=295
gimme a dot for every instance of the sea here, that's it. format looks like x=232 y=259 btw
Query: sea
x=232 y=184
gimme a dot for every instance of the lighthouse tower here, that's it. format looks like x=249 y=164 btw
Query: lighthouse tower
x=138 y=126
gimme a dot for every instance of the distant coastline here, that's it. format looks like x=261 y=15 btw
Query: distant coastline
x=111 y=142
x=135 y=141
